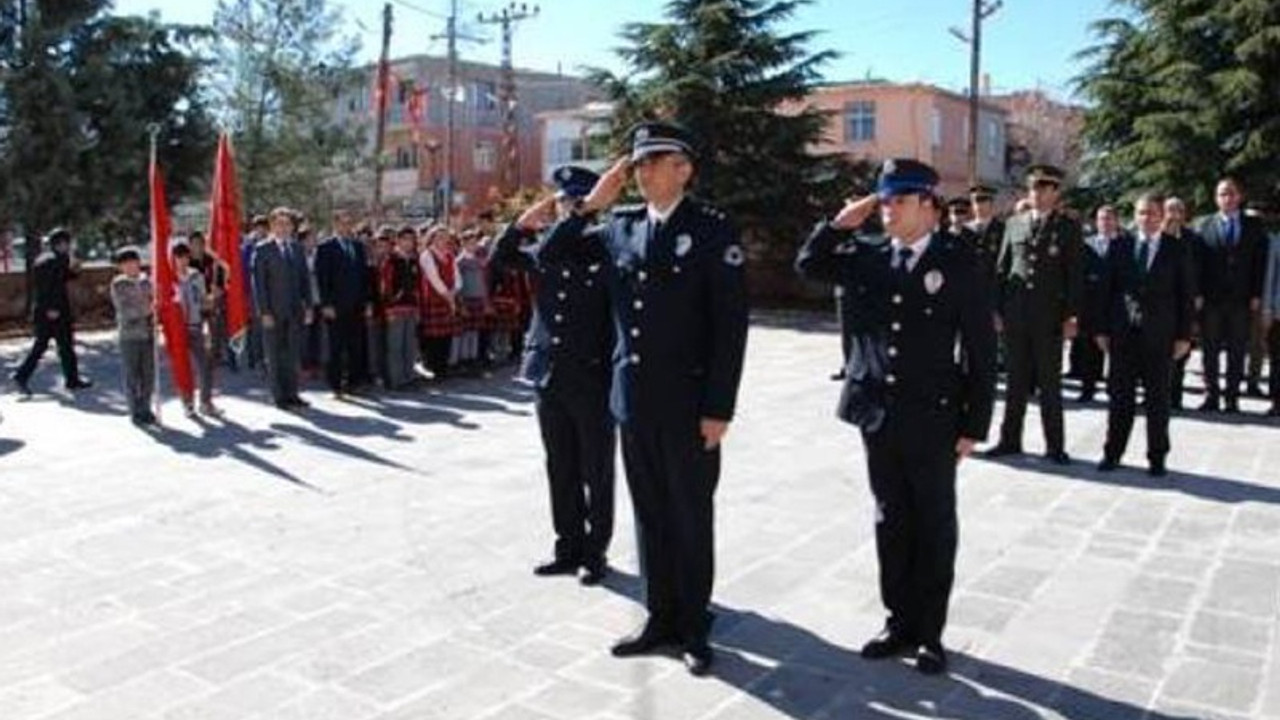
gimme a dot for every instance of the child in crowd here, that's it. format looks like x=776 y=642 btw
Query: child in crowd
x=400 y=283
x=197 y=304
x=439 y=304
x=473 y=292
x=132 y=297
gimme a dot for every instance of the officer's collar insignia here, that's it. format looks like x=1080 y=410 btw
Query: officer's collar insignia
x=933 y=281
x=683 y=244
x=1053 y=250
x=733 y=256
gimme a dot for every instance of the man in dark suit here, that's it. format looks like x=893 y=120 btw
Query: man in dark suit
x=1146 y=325
x=345 y=303
x=921 y=406
x=1087 y=359
x=282 y=295
x=678 y=287
x=1176 y=228
x=1039 y=287
x=566 y=357
x=51 y=314
x=1231 y=264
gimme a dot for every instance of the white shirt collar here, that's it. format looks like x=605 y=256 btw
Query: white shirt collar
x=658 y=216
x=918 y=249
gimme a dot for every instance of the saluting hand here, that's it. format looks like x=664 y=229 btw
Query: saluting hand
x=855 y=212
x=713 y=431
x=538 y=215
x=1181 y=348
x=608 y=187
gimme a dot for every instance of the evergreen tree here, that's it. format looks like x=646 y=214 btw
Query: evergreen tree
x=281 y=66
x=1183 y=91
x=721 y=69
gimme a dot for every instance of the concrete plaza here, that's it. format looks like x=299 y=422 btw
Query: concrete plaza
x=371 y=560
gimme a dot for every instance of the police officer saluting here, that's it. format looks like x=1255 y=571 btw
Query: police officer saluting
x=921 y=406
x=1039 y=285
x=680 y=310
x=566 y=357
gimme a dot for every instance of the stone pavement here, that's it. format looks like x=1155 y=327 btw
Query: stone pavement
x=371 y=560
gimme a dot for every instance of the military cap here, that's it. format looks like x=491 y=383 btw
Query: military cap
x=57 y=235
x=982 y=192
x=652 y=138
x=1044 y=173
x=126 y=253
x=386 y=232
x=574 y=181
x=904 y=176
x=959 y=203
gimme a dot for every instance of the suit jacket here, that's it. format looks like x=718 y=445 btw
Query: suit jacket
x=1039 y=272
x=903 y=332
x=342 y=275
x=679 y=308
x=52 y=272
x=570 y=337
x=1159 y=303
x=1231 y=274
x=281 y=281
x=1093 y=309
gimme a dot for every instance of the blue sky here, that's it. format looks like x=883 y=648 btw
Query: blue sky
x=1028 y=43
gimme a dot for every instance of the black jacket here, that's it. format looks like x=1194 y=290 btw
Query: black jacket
x=570 y=336
x=904 y=333
x=52 y=272
x=342 y=276
x=1159 y=302
x=1231 y=275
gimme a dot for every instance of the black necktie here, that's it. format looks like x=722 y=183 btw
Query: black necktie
x=1144 y=255
x=1232 y=231
x=903 y=265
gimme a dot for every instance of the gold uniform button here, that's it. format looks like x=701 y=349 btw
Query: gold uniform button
x=893 y=352
x=897 y=299
x=892 y=379
x=638 y=304
x=565 y=274
x=897 y=327
x=635 y=358
x=562 y=295
x=635 y=332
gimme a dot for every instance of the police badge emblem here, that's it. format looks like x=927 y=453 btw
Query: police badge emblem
x=933 y=281
x=565 y=174
x=684 y=244
x=642 y=134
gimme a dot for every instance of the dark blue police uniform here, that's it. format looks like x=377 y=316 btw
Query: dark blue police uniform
x=680 y=311
x=566 y=357
x=920 y=376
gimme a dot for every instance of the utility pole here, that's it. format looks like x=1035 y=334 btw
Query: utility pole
x=982 y=9
x=507 y=19
x=384 y=87
x=450 y=136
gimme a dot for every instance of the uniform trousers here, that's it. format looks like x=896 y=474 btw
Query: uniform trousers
x=1034 y=360
x=580 y=442
x=673 y=478
x=911 y=461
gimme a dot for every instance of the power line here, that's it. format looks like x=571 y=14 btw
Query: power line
x=421 y=10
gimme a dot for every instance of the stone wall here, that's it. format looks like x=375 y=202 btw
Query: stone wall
x=90 y=298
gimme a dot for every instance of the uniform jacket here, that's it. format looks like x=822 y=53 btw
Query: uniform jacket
x=1039 y=273
x=679 y=309
x=904 y=334
x=570 y=336
x=1160 y=301
x=342 y=274
x=281 y=281
x=1231 y=274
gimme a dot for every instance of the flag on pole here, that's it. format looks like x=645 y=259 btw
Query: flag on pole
x=173 y=325
x=224 y=238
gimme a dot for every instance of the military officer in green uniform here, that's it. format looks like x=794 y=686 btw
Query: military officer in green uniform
x=1039 y=281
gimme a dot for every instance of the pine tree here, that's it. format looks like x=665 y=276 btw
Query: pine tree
x=281 y=64
x=721 y=69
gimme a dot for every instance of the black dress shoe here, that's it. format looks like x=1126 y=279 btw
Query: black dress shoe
x=560 y=566
x=1254 y=390
x=1003 y=450
x=298 y=402
x=80 y=384
x=1232 y=407
x=1058 y=457
x=283 y=405
x=697 y=659
x=1108 y=464
x=1157 y=469
x=886 y=645
x=839 y=376
x=646 y=642
x=1210 y=404
x=594 y=573
x=1086 y=397
x=931 y=659
x=24 y=387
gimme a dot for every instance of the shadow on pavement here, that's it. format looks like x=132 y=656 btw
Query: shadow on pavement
x=229 y=439
x=803 y=675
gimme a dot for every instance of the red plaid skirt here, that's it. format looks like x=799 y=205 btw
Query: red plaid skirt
x=438 y=320
x=506 y=315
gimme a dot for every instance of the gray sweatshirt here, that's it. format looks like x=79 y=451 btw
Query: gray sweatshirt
x=131 y=298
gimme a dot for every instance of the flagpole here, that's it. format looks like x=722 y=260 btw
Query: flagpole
x=154 y=130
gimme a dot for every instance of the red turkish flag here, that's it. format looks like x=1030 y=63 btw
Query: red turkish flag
x=224 y=239
x=173 y=325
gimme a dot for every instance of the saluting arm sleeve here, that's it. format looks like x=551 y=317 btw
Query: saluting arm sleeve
x=817 y=259
x=508 y=253
x=727 y=290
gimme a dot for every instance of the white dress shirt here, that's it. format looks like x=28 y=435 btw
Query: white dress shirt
x=918 y=249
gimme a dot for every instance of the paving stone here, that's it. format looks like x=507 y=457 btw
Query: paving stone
x=1245 y=587
x=1010 y=582
x=1136 y=643
x=1232 y=632
x=1225 y=687
x=1149 y=592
